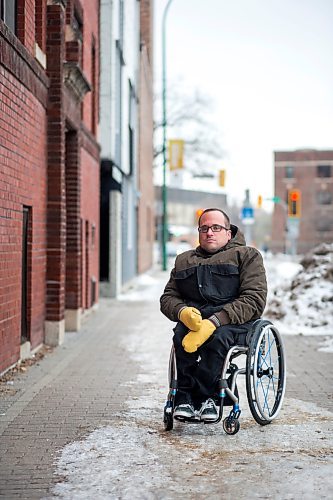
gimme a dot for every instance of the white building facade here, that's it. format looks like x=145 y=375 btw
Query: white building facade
x=120 y=58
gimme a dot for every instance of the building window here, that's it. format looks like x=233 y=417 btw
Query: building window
x=118 y=96
x=149 y=224
x=324 y=197
x=131 y=126
x=289 y=172
x=40 y=24
x=324 y=224
x=8 y=13
x=324 y=171
x=77 y=25
x=93 y=235
x=94 y=87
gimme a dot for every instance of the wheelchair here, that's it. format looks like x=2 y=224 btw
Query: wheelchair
x=265 y=372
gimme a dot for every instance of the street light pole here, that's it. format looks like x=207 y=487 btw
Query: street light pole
x=164 y=124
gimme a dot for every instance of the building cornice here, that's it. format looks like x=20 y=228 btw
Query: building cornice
x=75 y=80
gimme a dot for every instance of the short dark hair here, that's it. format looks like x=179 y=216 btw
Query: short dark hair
x=226 y=217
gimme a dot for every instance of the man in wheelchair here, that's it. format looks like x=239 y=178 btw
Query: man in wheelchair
x=215 y=293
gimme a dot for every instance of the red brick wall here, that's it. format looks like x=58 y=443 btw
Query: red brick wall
x=73 y=229
x=90 y=224
x=90 y=176
x=73 y=264
x=40 y=20
x=63 y=193
x=25 y=28
x=56 y=208
x=22 y=182
x=146 y=28
x=90 y=41
x=146 y=188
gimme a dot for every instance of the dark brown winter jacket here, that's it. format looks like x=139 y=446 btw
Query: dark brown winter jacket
x=230 y=284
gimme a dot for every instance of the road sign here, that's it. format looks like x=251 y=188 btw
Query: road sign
x=247 y=215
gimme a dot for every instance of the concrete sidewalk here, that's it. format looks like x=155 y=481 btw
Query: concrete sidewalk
x=83 y=384
x=70 y=392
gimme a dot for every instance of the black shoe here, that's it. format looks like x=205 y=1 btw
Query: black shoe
x=208 y=411
x=184 y=411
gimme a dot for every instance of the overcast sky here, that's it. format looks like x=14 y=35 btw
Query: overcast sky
x=267 y=66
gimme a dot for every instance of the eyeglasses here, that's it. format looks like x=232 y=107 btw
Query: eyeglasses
x=216 y=228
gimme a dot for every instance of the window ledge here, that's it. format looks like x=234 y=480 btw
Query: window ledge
x=40 y=56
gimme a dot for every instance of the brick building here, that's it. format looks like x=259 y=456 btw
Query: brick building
x=310 y=171
x=146 y=205
x=49 y=170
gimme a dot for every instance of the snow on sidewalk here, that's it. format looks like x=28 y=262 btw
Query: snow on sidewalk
x=133 y=458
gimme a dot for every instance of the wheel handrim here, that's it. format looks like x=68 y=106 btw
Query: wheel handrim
x=268 y=373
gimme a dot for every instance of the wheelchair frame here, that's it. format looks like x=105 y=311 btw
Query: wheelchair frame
x=265 y=373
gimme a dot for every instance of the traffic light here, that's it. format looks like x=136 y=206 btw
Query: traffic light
x=259 y=201
x=294 y=203
x=198 y=213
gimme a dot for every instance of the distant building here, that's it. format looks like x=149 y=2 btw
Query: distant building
x=311 y=172
x=183 y=208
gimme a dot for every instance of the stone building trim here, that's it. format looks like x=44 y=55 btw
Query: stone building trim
x=63 y=3
x=75 y=80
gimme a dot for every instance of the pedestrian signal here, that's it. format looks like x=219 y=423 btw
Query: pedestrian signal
x=294 y=203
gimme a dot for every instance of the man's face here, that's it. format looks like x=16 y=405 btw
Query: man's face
x=213 y=241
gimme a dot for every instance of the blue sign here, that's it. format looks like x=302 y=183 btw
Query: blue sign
x=247 y=213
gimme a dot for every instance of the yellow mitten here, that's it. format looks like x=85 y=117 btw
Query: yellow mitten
x=193 y=340
x=191 y=317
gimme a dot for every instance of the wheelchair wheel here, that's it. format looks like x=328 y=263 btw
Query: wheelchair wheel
x=265 y=373
x=169 y=406
x=168 y=420
x=231 y=426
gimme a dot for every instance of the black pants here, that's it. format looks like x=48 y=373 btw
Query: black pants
x=199 y=372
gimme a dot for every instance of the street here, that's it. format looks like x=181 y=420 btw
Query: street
x=85 y=422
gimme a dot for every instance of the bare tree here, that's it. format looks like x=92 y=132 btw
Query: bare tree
x=189 y=118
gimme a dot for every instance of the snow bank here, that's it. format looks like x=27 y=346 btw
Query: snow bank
x=304 y=303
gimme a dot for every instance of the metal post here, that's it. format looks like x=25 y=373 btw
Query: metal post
x=164 y=124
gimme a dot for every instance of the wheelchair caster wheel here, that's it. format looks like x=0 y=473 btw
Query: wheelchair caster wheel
x=231 y=425
x=168 y=421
